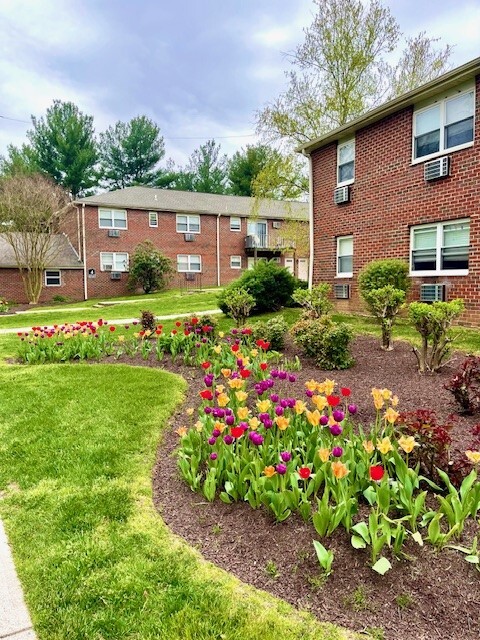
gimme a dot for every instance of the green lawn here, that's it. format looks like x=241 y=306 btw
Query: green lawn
x=166 y=303
x=77 y=446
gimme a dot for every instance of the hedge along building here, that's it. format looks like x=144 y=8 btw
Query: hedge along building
x=403 y=181
x=210 y=238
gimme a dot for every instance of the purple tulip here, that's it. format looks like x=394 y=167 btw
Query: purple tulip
x=286 y=456
x=208 y=410
x=291 y=402
x=292 y=378
x=282 y=375
x=216 y=433
x=274 y=373
x=281 y=469
x=336 y=429
x=309 y=393
x=274 y=397
x=268 y=424
x=337 y=452
x=213 y=456
x=228 y=439
x=228 y=411
x=352 y=408
x=212 y=440
x=324 y=421
x=256 y=438
x=243 y=425
x=284 y=403
x=338 y=415
x=230 y=420
x=279 y=410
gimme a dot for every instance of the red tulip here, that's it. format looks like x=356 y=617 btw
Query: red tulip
x=178 y=323
x=206 y=394
x=345 y=391
x=245 y=373
x=263 y=366
x=235 y=348
x=112 y=328
x=333 y=401
x=376 y=472
x=236 y=432
x=304 y=473
x=206 y=365
x=194 y=320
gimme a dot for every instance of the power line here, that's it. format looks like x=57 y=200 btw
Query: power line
x=15 y=119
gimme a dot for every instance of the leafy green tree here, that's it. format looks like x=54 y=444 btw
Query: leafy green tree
x=283 y=177
x=31 y=211
x=149 y=268
x=64 y=146
x=130 y=152
x=341 y=70
x=19 y=160
x=245 y=166
x=206 y=171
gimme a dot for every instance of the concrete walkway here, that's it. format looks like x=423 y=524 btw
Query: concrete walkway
x=15 y=623
x=127 y=321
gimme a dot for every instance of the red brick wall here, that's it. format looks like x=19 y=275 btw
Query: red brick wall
x=11 y=286
x=390 y=195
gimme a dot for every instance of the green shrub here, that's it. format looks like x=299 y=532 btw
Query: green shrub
x=272 y=331
x=149 y=268
x=59 y=299
x=239 y=304
x=324 y=340
x=315 y=302
x=433 y=322
x=383 y=285
x=4 y=306
x=270 y=285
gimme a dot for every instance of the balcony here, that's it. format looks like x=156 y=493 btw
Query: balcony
x=263 y=244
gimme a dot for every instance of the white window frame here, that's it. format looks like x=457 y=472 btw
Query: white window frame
x=47 y=276
x=115 y=261
x=189 y=263
x=442 y=102
x=113 y=214
x=438 y=249
x=153 y=219
x=235 y=262
x=345 y=143
x=238 y=227
x=343 y=274
x=189 y=221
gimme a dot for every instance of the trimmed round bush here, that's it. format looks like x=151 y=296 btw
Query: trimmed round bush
x=326 y=341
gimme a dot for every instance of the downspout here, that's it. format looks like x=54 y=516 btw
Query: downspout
x=218 y=249
x=84 y=255
x=310 y=216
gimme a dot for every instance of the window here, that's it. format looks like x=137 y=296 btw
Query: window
x=235 y=224
x=114 y=261
x=439 y=249
x=345 y=256
x=189 y=263
x=188 y=224
x=153 y=219
x=112 y=219
x=53 y=278
x=448 y=124
x=346 y=162
x=235 y=262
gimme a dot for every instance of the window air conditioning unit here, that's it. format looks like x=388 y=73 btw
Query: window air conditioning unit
x=432 y=293
x=190 y=276
x=341 y=291
x=276 y=224
x=438 y=168
x=189 y=237
x=108 y=267
x=115 y=275
x=341 y=194
x=113 y=233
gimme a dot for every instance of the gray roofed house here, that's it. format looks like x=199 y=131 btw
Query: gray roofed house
x=64 y=255
x=152 y=199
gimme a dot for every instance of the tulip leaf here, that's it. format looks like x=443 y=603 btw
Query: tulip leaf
x=362 y=530
x=382 y=565
x=417 y=536
x=473 y=559
x=358 y=543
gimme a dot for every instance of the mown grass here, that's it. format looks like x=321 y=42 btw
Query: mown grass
x=77 y=446
x=165 y=303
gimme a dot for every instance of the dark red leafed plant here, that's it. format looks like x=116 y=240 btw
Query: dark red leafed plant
x=465 y=385
x=433 y=438
x=148 y=322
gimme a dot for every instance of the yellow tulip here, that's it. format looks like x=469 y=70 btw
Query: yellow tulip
x=182 y=431
x=217 y=348
x=407 y=443
x=199 y=426
x=190 y=411
x=254 y=353
x=254 y=423
x=220 y=388
x=339 y=470
x=386 y=394
x=385 y=446
x=241 y=396
x=242 y=413
x=320 y=402
x=226 y=373
x=324 y=454
x=269 y=471
x=473 y=456
x=299 y=407
x=368 y=446
x=391 y=415
x=120 y=338
x=221 y=334
x=235 y=383
x=282 y=422
x=313 y=417
x=223 y=400
x=326 y=387
x=395 y=401
x=311 y=385
x=264 y=405
x=220 y=426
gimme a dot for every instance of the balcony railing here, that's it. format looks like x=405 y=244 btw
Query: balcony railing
x=261 y=241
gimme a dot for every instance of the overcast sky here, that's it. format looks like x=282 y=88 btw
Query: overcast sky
x=199 y=68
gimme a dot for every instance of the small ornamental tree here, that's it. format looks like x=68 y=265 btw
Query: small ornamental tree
x=315 y=301
x=433 y=322
x=383 y=286
x=149 y=268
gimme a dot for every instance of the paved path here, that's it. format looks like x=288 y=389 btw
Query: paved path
x=127 y=321
x=15 y=623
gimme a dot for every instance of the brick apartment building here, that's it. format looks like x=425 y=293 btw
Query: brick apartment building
x=403 y=181
x=210 y=239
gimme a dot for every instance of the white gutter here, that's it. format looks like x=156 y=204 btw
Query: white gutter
x=218 y=249
x=310 y=217
x=84 y=252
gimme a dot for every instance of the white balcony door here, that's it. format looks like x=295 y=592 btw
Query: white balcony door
x=290 y=265
x=303 y=268
x=258 y=229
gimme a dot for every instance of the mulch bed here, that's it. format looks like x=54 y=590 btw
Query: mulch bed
x=431 y=595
